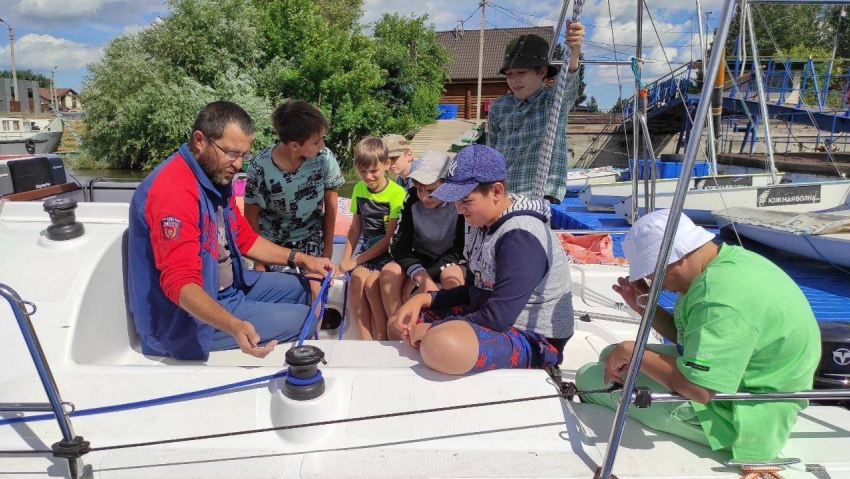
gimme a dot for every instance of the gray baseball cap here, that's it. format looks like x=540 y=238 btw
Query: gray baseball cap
x=430 y=167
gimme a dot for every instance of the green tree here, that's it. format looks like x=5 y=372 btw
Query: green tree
x=142 y=97
x=593 y=105
x=342 y=14
x=43 y=81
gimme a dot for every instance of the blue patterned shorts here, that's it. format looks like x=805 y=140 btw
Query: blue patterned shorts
x=511 y=349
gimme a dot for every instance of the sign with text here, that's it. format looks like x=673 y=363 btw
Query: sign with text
x=788 y=195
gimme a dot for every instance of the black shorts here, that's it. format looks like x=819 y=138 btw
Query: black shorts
x=435 y=266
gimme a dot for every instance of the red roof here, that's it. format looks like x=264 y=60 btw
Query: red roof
x=60 y=92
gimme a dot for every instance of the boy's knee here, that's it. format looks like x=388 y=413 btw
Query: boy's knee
x=606 y=352
x=450 y=348
x=451 y=276
x=391 y=270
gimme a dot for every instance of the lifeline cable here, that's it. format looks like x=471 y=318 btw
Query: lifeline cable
x=565 y=393
x=146 y=402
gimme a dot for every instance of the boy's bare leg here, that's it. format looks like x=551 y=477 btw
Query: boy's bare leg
x=450 y=348
x=392 y=280
x=315 y=288
x=452 y=276
x=379 y=317
x=407 y=290
x=359 y=304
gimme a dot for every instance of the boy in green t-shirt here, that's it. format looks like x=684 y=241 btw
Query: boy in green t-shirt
x=740 y=324
x=376 y=203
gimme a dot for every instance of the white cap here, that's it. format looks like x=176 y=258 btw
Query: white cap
x=429 y=167
x=643 y=242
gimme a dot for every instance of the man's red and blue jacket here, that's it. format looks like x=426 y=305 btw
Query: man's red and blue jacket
x=173 y=241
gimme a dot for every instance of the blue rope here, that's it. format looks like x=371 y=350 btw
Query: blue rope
x=822 y=257
x=312 y=317
x=344 y=306
x=305 y=382
x=635 y=66
x=147 y=402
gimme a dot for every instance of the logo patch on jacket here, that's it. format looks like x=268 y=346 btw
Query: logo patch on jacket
x=170 y=228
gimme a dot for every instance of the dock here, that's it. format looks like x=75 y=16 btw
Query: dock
x=440 y=135
x=826 y=288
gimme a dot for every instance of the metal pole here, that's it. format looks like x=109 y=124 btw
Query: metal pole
x=561 y=19
x=703 y=49
x=667 y=243
x=768 y=141
x=45 y=375
x=819 y=395
x=12 y=51
x=832 y=56
x=483 y=5
x=635 y=111
x=54 y=98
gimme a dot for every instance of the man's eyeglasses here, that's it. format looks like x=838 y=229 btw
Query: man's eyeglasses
x=232 y=156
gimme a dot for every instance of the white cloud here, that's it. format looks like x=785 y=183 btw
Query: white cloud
x=64 y=12
x=43 y=52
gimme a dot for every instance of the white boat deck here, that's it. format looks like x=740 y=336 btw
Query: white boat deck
x=91 y=346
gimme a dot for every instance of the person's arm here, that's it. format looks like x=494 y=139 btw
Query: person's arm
x=492 y=124
x=662 y=322
x=195 y=301
x=575 y=37
x=521 y=263
x=401 y=245
x=255 y=200
x=347 y=263
x=659 y=367
x=380 y=247
x=333 y=180
x=331 y=209
x=267 y=252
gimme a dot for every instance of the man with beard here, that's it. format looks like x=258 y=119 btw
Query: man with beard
x=188 y=291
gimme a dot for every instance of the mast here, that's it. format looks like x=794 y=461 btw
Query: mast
x=636 y=109
x=483 y=5
x=768 y=140
x=713 y=126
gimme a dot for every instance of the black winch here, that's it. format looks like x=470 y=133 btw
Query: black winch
x=304 y=380
x=63 y=219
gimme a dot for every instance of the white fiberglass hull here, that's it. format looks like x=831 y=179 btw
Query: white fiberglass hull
x=792 y=197
x=93 y=350
x=602 y=196
x=831 y=248
x=578 y=180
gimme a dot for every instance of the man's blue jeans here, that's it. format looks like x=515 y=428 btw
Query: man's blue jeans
x=276 y=306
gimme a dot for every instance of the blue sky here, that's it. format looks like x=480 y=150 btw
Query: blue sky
x=69 y=34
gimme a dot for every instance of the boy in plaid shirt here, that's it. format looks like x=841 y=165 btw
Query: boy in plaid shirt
x=516 y=122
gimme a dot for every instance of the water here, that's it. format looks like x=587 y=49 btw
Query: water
x=84 y=176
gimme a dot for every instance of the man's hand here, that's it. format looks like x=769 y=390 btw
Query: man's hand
x=617 y=363
x=631 y=291
x=346 y=265
x=260 y=266
x=575 y=34
x=414 y=336
x=407 y=315
x=247 y=338
x=313 y=264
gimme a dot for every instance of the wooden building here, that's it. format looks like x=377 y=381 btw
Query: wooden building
x=462 y=86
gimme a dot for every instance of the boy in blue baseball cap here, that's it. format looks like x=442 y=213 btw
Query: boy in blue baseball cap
x=515 y=310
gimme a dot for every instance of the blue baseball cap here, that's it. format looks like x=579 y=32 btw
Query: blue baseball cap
x=473 y=165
